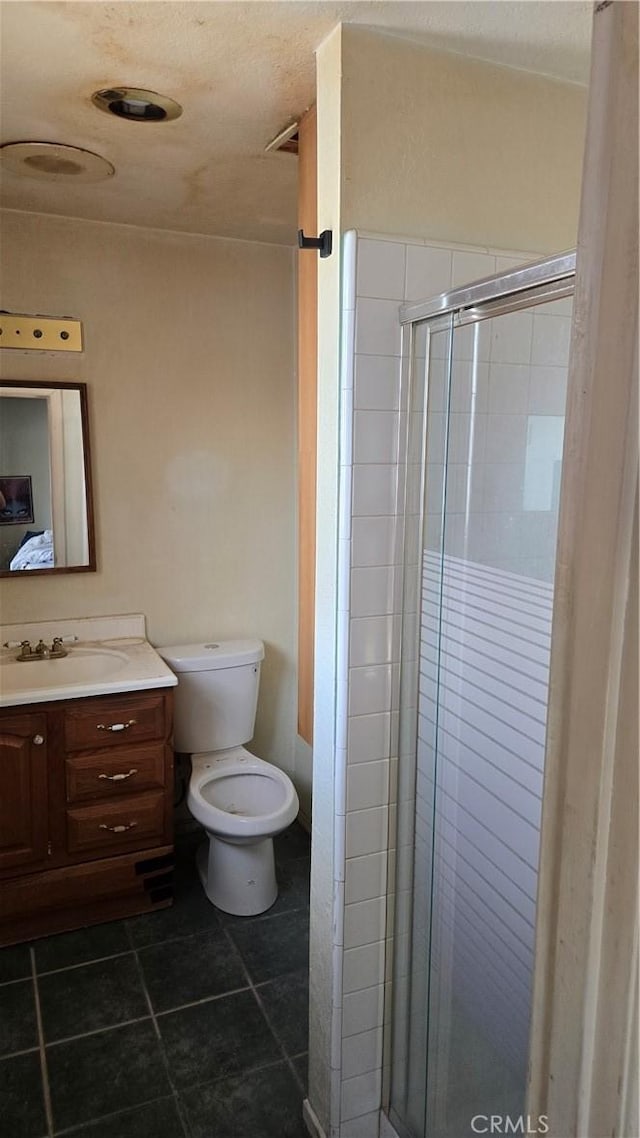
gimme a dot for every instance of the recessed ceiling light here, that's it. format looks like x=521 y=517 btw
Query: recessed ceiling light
x=54 y=161
x=136 y=105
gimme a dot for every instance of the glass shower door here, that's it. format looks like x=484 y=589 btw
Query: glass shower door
x=473 y=710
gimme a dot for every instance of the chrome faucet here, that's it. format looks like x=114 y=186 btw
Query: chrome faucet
x=41 y=651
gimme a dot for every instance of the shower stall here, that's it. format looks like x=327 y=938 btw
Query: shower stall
x=487 y=372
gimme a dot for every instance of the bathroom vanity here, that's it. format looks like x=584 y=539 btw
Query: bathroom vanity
x=86 y=780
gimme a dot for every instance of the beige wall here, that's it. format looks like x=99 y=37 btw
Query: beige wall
x=189 y=362
x=442 y=146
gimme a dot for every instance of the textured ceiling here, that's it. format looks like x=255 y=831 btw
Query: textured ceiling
x=242 y=71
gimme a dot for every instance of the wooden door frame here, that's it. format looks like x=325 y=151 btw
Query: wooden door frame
x=307 y=419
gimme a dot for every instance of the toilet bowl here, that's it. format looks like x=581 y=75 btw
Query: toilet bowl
x=241 y=800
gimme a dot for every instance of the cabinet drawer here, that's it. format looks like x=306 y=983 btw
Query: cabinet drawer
x=117 y=824
x=121 y=770
x=114 y=722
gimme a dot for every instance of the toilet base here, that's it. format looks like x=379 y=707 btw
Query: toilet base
x=239 y=879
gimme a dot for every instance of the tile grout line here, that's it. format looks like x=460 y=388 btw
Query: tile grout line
x=235 y=1075
x=260 y=1004
x=17 y=1054
x=176 y=1098
x=96 y=1031
x=20 y=980
x=82 y=964
x=71 y=1130
x=44 y=1071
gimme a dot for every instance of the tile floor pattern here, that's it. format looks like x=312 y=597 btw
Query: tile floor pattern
x=185 y=1023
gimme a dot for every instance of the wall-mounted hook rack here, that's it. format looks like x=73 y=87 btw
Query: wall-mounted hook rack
x=324 y=242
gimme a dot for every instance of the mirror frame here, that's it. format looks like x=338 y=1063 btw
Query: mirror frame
x=81 y=388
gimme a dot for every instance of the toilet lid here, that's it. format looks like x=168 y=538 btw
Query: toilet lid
x=210 y=655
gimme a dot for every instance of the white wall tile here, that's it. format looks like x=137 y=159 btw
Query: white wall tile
x=469 y=385
x=511 y=338
x=504 y=264
x=371 y=641
x=377 y=327
x=365 y=922
x=368 y=737
x=360 y=1095
x=551 y=335
x=366 y=1126
x=509 y=388
x=375 y=437
x=373 y=541
x=372 y=591
x=362 y=968
x=377 y=383
x=473 y=341
x=547 y=391
x=362 y=1011
x=381 y=269
x=503 y=484
x=362 y=1052
x=506 y=438
x=367 y=785
x=370 y=690
x=462 y=444
x=367 y=832
x=366 y=878
x=428 y=272
x=375 y=489
x=471 y=267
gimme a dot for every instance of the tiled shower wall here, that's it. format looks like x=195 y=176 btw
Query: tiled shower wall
x=379 y=274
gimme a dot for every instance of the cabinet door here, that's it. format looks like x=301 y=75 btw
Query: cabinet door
x=23 y=791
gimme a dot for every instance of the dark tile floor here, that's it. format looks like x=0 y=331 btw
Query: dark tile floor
x=185 y=1023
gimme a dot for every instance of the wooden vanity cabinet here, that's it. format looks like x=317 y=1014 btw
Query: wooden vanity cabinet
x=23 y=792
x=86 y=811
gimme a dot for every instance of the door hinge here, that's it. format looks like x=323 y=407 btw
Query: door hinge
x=49 y=849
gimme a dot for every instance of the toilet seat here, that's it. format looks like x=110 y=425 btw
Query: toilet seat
x=231 y=808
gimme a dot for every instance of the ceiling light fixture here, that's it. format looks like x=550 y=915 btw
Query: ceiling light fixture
x=54 y=162
x=136 y=104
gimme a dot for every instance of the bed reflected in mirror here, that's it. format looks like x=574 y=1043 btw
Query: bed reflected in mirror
x=46 y=515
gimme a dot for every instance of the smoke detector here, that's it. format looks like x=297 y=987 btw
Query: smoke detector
x=54 y=162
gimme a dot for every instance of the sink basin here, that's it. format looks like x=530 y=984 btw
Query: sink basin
x=81 y=666
x=109 y=655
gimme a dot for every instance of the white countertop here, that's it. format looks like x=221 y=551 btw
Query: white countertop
x=110 y=654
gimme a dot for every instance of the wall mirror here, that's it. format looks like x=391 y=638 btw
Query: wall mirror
x=46 y=510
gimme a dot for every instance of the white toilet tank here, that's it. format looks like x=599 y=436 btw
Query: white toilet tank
x=217 y=693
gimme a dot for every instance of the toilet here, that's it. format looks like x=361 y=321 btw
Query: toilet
x=242 y=801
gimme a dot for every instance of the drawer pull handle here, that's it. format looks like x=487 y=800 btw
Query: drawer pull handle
x=115 y=726
x=119 y=777
x=38 y=740
x=117 y=829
